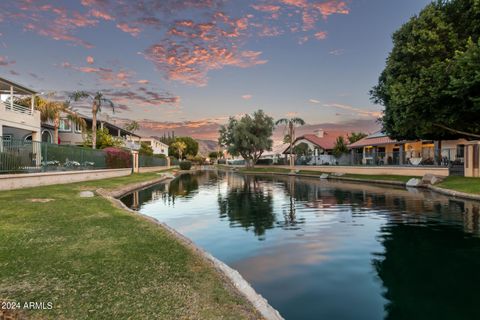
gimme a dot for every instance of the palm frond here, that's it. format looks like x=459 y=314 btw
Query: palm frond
x=79 y=95
x=281 y=121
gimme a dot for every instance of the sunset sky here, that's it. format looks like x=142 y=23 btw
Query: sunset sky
x=188 y=65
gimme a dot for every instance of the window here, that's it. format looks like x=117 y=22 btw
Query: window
x=64 y=125
x=460 y=151
x=7 y=138
x=78 y=127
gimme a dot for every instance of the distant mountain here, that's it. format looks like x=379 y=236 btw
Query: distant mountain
x=206 y=146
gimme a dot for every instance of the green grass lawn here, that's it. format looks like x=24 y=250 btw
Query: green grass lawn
x=95 y=261
x=462 y=184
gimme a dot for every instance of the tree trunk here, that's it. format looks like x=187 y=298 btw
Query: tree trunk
x=94 y=126
x=56 y=123
x=291 y=145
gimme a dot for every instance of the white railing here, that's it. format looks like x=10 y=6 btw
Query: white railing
x=17 y=108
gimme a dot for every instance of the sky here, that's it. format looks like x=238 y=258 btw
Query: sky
x=189 y=65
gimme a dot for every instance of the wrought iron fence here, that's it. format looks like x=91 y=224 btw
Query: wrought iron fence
x=18 y=156
x=151 y=161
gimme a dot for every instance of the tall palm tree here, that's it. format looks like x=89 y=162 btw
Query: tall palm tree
x=98 y=100
x=290 y=125
x=51 y=110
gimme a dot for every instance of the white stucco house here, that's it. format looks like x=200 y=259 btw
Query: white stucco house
x=158 y=147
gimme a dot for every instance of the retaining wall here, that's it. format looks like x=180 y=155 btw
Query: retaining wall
x=381 y=170
x=26 y=180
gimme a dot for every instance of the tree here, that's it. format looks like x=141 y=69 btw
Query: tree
x=132 y=126
x=103 y=140
x=215 y=155
x=98 y=100
x=340 y=147
x=191 y=147
x=52 y=111
x=302 y=149
x=180 y=147
x=356 y=136
x=290 y=124
x=248 y=137
x=145 y=149
x=430 y=86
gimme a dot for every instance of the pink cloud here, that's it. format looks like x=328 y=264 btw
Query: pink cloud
x=143 y=81
x=100 y=14
x=321 y=35
x=132 y=30
x=90 y=60
x=247 y=96
x=4 y=61
x=266 y=7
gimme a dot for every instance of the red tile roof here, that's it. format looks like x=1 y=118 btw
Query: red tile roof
x=327 y=142
x=375 y=141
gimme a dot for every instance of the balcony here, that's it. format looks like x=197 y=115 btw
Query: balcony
x=18 y=108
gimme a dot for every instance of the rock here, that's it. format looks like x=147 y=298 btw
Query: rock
x=414 y=182
x=432 y=179
x=338 y=174
x=324 y=176
x=437 y=179
x=86 y=194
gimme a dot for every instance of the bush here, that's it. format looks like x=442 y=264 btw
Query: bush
x=117 y=158
x=265 y=161
x=185 y=165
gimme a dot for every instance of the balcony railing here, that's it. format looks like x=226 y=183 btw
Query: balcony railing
x=18 y=108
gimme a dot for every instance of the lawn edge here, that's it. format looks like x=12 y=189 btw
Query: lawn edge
x=444 y=191
x=231 y=276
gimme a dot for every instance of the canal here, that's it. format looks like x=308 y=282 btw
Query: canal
x=331 y=250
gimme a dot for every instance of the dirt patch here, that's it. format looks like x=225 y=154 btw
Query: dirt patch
x=41 y=200
x=7 y=313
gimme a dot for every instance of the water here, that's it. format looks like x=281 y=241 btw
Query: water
x=331 y=250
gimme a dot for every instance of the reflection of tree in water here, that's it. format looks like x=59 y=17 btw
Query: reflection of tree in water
x=429 y=272
x=184 y=186
x=248 y=204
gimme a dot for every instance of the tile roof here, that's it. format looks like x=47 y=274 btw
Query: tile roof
x=373 y=140
x=327 y=142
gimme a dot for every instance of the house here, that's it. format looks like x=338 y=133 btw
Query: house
x=158 y=147
x=320 y=147
x=379 y=149
x=18 y=122
x=72 y=133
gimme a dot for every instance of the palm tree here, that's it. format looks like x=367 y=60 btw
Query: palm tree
x=52 y=111
x=290 y=136
x=98 y=100
x=180 y=146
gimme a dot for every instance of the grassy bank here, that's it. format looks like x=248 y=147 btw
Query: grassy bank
x=461 y=184
x=92 y=260
x=318 y=173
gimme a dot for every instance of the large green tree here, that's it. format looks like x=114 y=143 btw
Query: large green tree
x=248 y=137
x=430 y=86
x=188 y=144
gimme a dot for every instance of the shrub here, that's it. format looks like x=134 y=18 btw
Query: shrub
x=185 y=165
x=265 y=161
x=117 y=158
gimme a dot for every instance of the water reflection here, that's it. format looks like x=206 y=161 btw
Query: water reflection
x=249 y=203
x=332 y=250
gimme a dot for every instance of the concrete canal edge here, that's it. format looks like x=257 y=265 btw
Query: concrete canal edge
x=233 y=276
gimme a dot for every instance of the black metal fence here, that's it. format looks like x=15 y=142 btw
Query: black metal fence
x=18 y=156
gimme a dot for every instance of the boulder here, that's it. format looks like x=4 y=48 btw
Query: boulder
x=86 y=194
x=338 y=174
x=414 y=182
x=432 y=179
x=324 y=176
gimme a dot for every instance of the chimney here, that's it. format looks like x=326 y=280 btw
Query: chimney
x=319 y=133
